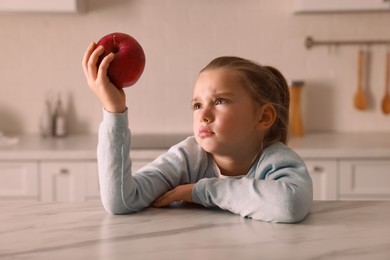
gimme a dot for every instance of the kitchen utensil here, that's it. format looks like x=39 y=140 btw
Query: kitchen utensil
x=386 y=98
x=360 y=98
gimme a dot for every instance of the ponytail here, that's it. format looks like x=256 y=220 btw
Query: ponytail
x=282 y=104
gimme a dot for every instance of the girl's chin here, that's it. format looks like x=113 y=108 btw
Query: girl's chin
x=208 y=145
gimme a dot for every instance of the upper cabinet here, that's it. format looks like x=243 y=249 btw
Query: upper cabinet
x=44 y=6
x=324 y=6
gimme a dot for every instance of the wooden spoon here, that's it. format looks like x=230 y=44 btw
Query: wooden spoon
x=360 y=99
x=386 y=98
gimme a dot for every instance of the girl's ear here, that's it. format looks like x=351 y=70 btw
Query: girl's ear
x=267 y=117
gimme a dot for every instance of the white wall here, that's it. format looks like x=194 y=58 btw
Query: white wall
x=43 y=52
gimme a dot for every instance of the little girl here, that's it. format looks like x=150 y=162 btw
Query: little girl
x=237 y=159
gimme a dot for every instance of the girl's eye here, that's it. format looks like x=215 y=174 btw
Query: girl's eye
x=219 y=101
x=196 y=106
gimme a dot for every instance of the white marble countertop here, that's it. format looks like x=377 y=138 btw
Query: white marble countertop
x=83 y=147
x=333 y=230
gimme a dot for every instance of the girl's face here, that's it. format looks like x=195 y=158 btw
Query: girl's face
x=225 y=116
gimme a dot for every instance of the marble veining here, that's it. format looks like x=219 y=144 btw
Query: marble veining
x=83 y=230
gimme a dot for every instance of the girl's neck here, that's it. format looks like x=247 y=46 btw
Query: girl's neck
x=236 y=165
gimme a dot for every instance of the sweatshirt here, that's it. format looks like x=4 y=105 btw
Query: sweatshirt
x=277 y=188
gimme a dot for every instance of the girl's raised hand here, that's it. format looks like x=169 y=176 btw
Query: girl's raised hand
x=112 y=98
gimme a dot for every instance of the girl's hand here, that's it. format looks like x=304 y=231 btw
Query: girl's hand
x=112 y=98
x=180 y=193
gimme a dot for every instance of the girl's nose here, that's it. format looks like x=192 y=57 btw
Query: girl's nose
x=206 y=115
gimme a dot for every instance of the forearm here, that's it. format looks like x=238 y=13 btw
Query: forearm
x=267 y=200
x=278 y=188
x=114 y=163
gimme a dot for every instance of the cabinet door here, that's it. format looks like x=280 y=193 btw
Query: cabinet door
x=63 y=181
x=92 y=181
x=18 y=181
x=324 y=176
x=365 y=179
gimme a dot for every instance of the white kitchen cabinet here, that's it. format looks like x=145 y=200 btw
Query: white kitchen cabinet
x=350 y=179
x=365 y=179
x=49 y=181
x=91 y=182
x=79 y=180
x=342 y=166
x=61 y=169
x=59 y=180
x=19 y=181
x=63 y=181
x=324 y=176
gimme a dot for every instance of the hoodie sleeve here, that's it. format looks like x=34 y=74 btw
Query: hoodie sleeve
x=278 y=189
x=121 y=191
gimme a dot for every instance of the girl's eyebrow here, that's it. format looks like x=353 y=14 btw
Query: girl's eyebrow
x=224 y=94
x=217 y=94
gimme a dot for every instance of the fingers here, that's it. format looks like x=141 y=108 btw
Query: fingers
x=87 y=54
x=102 y=71
x=180 y=193
x=112 y=98
x=164 y=200
x=92 y=61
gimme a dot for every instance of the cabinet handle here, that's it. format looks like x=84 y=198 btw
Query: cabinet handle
x=64 y=171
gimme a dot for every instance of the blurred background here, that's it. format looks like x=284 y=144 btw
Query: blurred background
x=41 y=53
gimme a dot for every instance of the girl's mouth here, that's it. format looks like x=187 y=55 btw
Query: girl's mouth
x=205 y=132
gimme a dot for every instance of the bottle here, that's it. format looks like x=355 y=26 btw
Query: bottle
x=295 y=108
x=59 y=120
x=46 y=121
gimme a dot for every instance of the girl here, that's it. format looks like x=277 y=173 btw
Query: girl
x=237 y=159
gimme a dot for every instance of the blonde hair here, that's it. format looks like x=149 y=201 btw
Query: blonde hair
x=266 y=85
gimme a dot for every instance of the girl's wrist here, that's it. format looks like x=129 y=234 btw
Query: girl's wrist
x=115 y=110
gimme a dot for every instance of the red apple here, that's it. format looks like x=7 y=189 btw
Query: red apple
x=129 y=61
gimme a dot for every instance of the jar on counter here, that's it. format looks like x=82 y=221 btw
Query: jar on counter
x=296 y=122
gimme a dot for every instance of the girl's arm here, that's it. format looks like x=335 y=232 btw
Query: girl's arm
x=278 y=190
x=121 y=192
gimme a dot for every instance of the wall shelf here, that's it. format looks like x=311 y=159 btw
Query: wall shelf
x=331 y=6
x=44 y=6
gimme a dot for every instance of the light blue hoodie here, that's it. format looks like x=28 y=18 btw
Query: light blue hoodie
x=277 y=188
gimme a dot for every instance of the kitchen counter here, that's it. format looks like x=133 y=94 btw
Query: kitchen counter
x=333 y=230
x=343 y=145
x=83 y=147
x=76 y=147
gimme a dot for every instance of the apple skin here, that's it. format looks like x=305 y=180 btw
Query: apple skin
x=129 y=60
